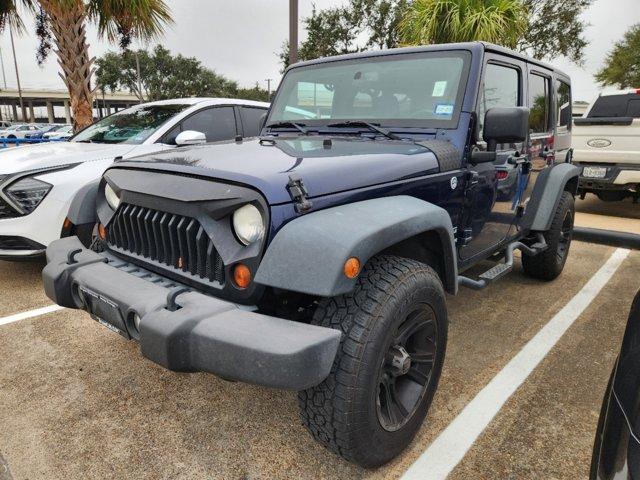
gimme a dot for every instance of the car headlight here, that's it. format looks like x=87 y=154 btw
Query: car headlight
x=27 y=193
x=248 y=224
x=111 y=196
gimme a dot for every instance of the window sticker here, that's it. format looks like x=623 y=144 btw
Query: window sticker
x=443 y=109
x=439 y=88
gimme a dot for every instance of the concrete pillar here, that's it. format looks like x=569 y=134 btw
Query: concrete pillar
x=67 y=111
x=50 y=116
x=14 y=111
x=32 y=115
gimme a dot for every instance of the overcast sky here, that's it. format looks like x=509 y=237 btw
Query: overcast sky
x=240 y=39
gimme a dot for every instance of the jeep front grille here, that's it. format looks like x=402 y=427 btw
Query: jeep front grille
x=174 y=240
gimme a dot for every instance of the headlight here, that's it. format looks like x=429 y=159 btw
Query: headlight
x=248 y=224
x=27 y=193
x=112 y=197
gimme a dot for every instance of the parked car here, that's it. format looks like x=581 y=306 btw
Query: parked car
x=61 y=132
x=42 y=129
x=4 y=125
x=18 y=131
x=316 y=258
x=606 y=143
x=616 y=451
x=37 y=182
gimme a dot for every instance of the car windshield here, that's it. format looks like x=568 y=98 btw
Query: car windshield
x=133 y=125
x=417 y=89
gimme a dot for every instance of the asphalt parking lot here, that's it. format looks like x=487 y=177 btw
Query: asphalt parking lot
x=77 y=401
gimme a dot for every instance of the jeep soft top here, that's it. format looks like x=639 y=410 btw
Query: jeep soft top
x=316 y=257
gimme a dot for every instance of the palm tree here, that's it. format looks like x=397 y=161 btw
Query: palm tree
x=61 y=25
x=444 y=21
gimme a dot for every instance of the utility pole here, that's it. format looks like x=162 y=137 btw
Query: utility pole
x=293 y=31
x=268 y=80
x=4 y=77
x=15 y=63
x=138 y=73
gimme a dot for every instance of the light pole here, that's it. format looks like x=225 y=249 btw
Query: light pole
x=268 y=80
x=138 y=74
x=15 y=63
x=4 y=77
x=293 y=31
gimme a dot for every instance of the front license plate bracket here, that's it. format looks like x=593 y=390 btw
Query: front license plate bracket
x=104 y=311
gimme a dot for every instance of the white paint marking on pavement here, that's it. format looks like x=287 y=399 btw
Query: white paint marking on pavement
x=448 y=449
x=31 y=313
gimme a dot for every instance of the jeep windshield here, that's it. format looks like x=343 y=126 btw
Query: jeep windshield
x=133 y=125
x=401 y=90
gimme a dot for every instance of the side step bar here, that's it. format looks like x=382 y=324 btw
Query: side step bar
x=501 y=269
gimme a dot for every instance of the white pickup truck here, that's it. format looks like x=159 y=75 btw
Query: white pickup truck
x=606 y=145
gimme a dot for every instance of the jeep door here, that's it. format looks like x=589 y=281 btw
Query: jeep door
x=541 y=148
x=493 y=191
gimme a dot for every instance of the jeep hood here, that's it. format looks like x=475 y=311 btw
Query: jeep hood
x=326 y=165
x=54 y=154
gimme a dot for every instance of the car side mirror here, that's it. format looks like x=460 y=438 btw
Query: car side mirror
x=190 y=137
x=505 y=125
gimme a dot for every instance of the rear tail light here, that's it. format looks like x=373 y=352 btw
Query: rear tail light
x=501 y=174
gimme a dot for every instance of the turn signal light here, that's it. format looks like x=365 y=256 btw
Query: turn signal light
x=102 y=232
x=352 y=267
x=241 y=275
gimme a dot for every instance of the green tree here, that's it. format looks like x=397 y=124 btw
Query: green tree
x=443 y=21
x=162 y=75
x=62 y=23
x=622 y=65
x=554 y=28
x=256 y=93
x=359 y=25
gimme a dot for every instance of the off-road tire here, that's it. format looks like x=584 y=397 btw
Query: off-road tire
x=548 y=264
x=342 y=413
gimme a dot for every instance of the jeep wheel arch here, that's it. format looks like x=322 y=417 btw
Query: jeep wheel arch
x=308 y=254
x=82 y=209
x=547 y=193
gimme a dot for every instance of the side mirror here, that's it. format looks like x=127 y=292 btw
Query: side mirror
x=505 y=125
x=190 y=137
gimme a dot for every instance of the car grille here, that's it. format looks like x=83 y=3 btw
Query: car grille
x=174 y=240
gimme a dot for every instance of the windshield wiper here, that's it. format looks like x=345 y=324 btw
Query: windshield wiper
x=371 y=126
x=298 y=126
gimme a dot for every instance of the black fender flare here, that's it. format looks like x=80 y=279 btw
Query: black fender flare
x=82 y=209
x=546 y=195
x=308 y=254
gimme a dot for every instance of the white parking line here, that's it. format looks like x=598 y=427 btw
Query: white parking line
x=448 y=449
x=31 y=313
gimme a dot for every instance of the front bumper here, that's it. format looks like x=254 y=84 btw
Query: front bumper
x=202 y=334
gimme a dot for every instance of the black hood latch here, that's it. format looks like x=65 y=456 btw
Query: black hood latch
x=299 y=194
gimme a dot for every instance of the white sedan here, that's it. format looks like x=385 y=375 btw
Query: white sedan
x=38 y=182
x=58 y=133
x=18 y=131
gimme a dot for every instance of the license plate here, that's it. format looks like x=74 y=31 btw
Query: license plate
x=594 y=172
x=104 y=311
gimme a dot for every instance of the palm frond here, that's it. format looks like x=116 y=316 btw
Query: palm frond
x=122 y=20
x=10 y=15
x=442 y=21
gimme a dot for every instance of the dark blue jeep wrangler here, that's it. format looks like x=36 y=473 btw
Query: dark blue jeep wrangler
x=316 y=257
